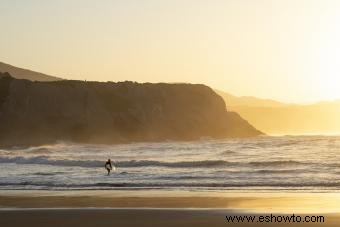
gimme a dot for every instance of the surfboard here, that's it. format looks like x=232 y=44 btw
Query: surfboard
x=112 y=167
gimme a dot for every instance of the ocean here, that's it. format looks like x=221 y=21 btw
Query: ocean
x=287 y=163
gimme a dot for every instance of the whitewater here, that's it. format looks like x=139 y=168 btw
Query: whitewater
x=294 y=163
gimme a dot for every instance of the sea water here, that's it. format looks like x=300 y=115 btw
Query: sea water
x=298 y=163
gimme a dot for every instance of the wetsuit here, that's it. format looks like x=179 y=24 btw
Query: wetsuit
x=108 y=167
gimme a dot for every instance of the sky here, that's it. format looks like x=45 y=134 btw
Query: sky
x=288 y=50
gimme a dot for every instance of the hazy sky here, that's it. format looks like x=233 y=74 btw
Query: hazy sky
x=287 y=50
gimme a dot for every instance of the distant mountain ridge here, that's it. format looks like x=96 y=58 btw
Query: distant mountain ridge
x=232 y=100
x=276 y=118
x=98 y=112
x=20 y=73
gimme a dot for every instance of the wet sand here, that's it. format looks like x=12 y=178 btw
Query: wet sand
x=136 y=217
x=154 y=208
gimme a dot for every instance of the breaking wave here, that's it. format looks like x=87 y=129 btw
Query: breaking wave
x=44 y=160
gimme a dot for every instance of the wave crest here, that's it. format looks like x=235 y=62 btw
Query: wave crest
x=45 y=160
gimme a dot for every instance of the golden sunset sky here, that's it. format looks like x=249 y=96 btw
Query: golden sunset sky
x=288 y=50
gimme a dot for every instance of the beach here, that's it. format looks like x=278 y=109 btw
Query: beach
x=135 y=217
x=162 y=208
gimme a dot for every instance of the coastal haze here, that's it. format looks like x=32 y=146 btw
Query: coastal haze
x=277 y=118
x=174 y=113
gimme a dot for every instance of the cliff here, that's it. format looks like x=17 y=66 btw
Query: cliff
x=96 y=112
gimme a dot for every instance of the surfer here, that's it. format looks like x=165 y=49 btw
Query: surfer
x=108 y=166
